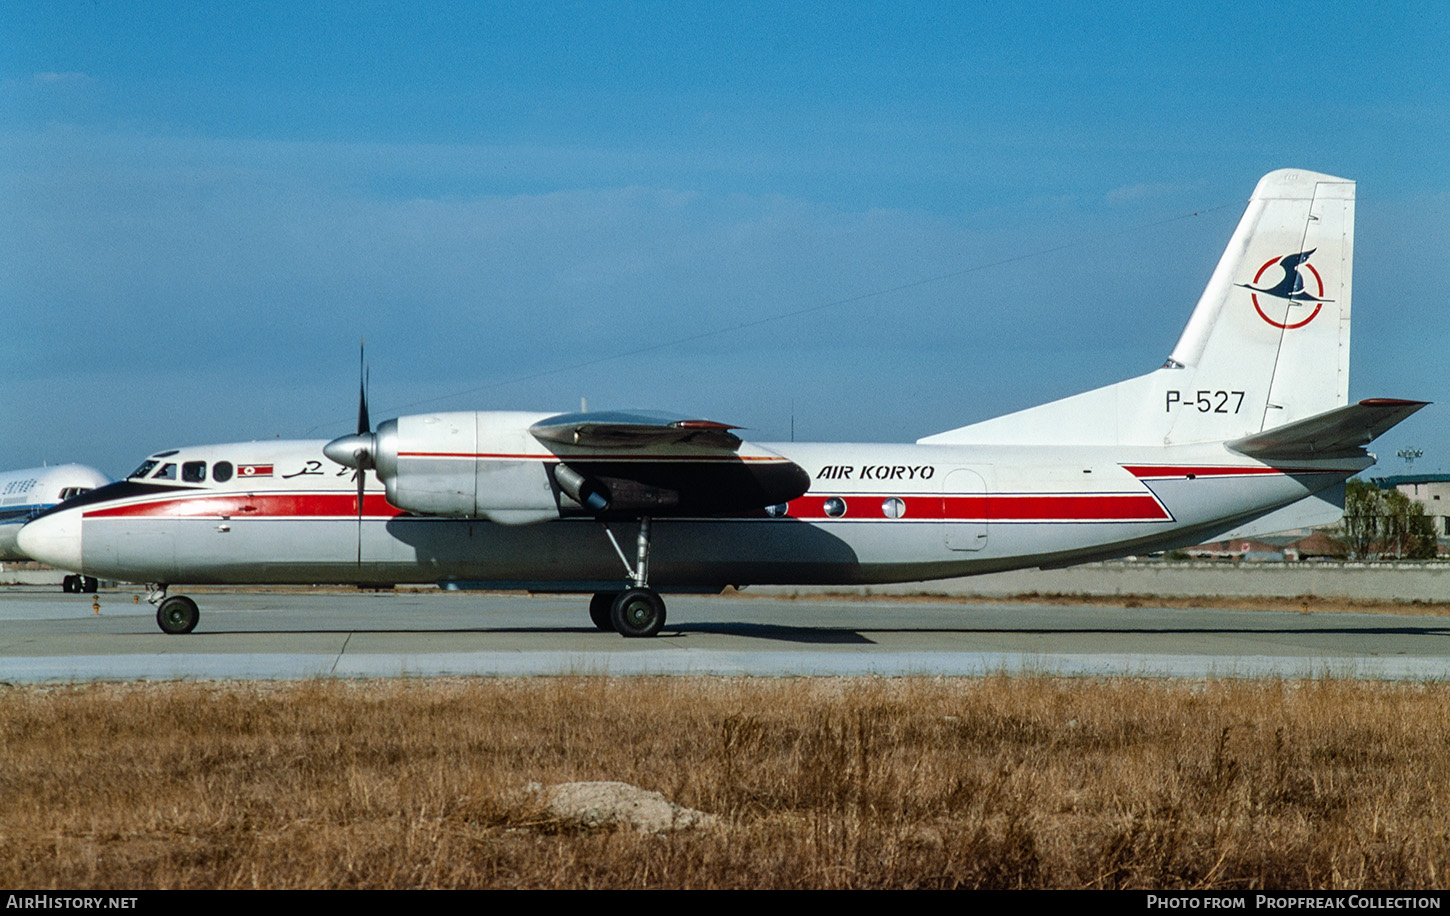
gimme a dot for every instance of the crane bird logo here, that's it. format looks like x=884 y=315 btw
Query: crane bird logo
x=1290 y=287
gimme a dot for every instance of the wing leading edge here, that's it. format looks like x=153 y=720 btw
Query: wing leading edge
x=617 y=429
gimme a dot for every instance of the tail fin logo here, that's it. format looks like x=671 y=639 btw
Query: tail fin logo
x=1290 y=287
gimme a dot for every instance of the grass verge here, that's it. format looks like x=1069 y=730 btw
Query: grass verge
x=820 y=783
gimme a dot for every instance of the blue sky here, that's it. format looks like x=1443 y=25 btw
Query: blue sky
x=879 y=219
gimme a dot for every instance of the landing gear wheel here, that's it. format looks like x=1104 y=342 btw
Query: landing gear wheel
x=599 y=610
x=638 y=612
x=69 y=585
x=177 y=614
x=89 y=583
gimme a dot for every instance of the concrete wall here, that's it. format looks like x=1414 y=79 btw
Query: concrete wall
x=1382 y=581
x=29 y=574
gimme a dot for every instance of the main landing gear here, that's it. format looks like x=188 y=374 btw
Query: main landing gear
x=175 y=615
x=635 y=612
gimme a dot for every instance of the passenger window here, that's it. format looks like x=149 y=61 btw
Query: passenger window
x=167 y=472
x=194 y=472
x=221 y=472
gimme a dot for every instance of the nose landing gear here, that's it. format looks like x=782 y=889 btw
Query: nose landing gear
x=175 y=615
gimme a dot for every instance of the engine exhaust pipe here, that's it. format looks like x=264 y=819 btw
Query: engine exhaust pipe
x=580 y=489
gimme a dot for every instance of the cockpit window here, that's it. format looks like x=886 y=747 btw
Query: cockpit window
x=221 y=472
x=194 y=472
x=167 y=472
x=143 y=470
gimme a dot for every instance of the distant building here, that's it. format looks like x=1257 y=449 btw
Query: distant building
x=1431 y=491
x=1249 y=549
x=1321 y=545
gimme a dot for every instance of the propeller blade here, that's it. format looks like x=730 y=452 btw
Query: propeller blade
x=362 y=452
x=362 y=479
x=364 y=425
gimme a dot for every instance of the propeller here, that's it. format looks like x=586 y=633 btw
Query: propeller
x=358 y=450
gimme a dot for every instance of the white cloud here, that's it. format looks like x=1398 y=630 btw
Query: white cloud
x=70 y=76
x=1145 y=191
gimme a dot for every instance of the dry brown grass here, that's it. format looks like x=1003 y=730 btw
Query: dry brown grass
x=835 y=783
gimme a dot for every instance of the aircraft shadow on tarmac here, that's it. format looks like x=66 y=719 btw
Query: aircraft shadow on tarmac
x=803 y=635
x=863 y=634
x=829 y=635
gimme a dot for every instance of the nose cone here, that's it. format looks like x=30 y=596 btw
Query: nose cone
x=54 y=539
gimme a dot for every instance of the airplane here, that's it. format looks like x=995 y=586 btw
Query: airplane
x=26 y=493
x=1246 y=428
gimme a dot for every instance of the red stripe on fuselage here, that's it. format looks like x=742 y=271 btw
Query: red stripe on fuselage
x=254 y=505
x=1067 y=507
x=1159 y=471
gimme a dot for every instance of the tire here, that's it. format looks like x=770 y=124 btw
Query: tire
x=177 y=615
x=637 y=612
x=68 y=585
x=89 y=584
x=600 y=607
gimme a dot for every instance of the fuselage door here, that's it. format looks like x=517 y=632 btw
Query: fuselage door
x=964 y=510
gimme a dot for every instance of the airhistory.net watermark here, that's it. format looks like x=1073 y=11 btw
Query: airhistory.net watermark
x=67 y=902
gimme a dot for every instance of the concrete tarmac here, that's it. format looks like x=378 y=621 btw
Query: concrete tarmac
x=48 y=637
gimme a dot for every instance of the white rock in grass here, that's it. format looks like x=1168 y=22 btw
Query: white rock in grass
x=618 y=804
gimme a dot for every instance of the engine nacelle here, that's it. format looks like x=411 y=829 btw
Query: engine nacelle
x=512 y=468
x=481 y=464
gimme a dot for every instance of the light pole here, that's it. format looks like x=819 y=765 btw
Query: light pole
x=1410 y=454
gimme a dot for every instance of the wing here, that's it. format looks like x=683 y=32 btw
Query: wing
x=644 y=463
x=1344 y=431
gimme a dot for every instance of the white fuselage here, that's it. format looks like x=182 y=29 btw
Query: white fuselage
x=872 y=513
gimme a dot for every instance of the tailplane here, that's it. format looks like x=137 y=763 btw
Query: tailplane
x=1338 y=433
x=1266 y=346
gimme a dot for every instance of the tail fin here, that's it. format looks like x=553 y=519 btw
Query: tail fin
x=1267 y=345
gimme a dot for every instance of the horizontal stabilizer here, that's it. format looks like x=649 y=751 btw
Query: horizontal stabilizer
x=634 y=429
x=1341 y=432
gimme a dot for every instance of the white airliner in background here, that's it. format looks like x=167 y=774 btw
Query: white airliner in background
x=1247 y=428
x=27 y=493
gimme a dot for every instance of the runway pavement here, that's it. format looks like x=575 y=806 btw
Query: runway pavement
x=47 y=636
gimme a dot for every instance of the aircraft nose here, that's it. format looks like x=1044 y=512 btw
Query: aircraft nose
x=54 y=539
